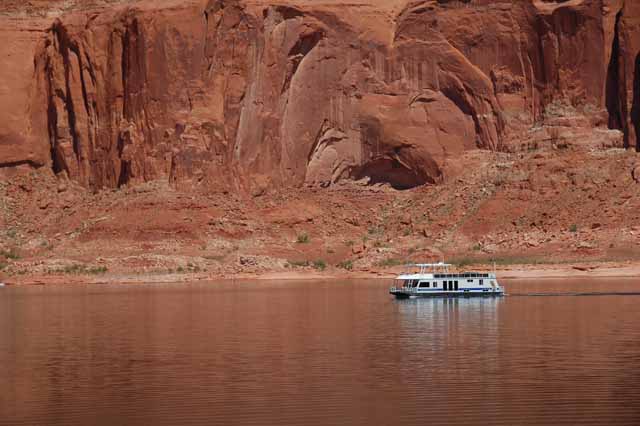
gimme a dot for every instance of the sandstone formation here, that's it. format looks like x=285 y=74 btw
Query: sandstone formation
x=252 y=94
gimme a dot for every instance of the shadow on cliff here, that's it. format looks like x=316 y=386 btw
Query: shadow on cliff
x=615 y=94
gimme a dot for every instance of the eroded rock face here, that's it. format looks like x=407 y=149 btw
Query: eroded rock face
x=623 y=78
x=233 y=94
x=24 y=140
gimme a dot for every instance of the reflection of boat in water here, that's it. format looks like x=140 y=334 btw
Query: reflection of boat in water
x=435 y=280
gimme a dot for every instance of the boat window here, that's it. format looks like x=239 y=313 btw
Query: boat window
x=481 y=282
x=424 y=284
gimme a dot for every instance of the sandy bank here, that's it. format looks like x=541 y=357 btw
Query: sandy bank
x=512 y=272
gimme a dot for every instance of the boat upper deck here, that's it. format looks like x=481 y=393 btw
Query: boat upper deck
x=454 y=275
x=439 y=271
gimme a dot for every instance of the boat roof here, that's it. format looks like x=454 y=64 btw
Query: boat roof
x=414 y=276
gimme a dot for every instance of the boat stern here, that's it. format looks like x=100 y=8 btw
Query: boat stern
x=401 y=292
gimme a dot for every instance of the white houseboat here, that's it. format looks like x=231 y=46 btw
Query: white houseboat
x=435 y=279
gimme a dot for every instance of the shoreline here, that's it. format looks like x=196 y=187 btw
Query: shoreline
x=511 y=272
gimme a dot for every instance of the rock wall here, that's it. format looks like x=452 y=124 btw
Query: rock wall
x=253 y=94
x=623 y=78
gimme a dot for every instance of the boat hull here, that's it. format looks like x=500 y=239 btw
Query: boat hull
x=399 y=294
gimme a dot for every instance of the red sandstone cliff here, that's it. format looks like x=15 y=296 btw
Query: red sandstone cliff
x=256 y=94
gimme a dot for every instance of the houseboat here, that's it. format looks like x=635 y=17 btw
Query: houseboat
x=436 y=280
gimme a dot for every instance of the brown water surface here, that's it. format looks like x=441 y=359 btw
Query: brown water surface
x=319 y=353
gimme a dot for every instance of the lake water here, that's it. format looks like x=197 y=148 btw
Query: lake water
x=319 y=353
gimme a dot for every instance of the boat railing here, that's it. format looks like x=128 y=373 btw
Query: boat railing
x=424 y=268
